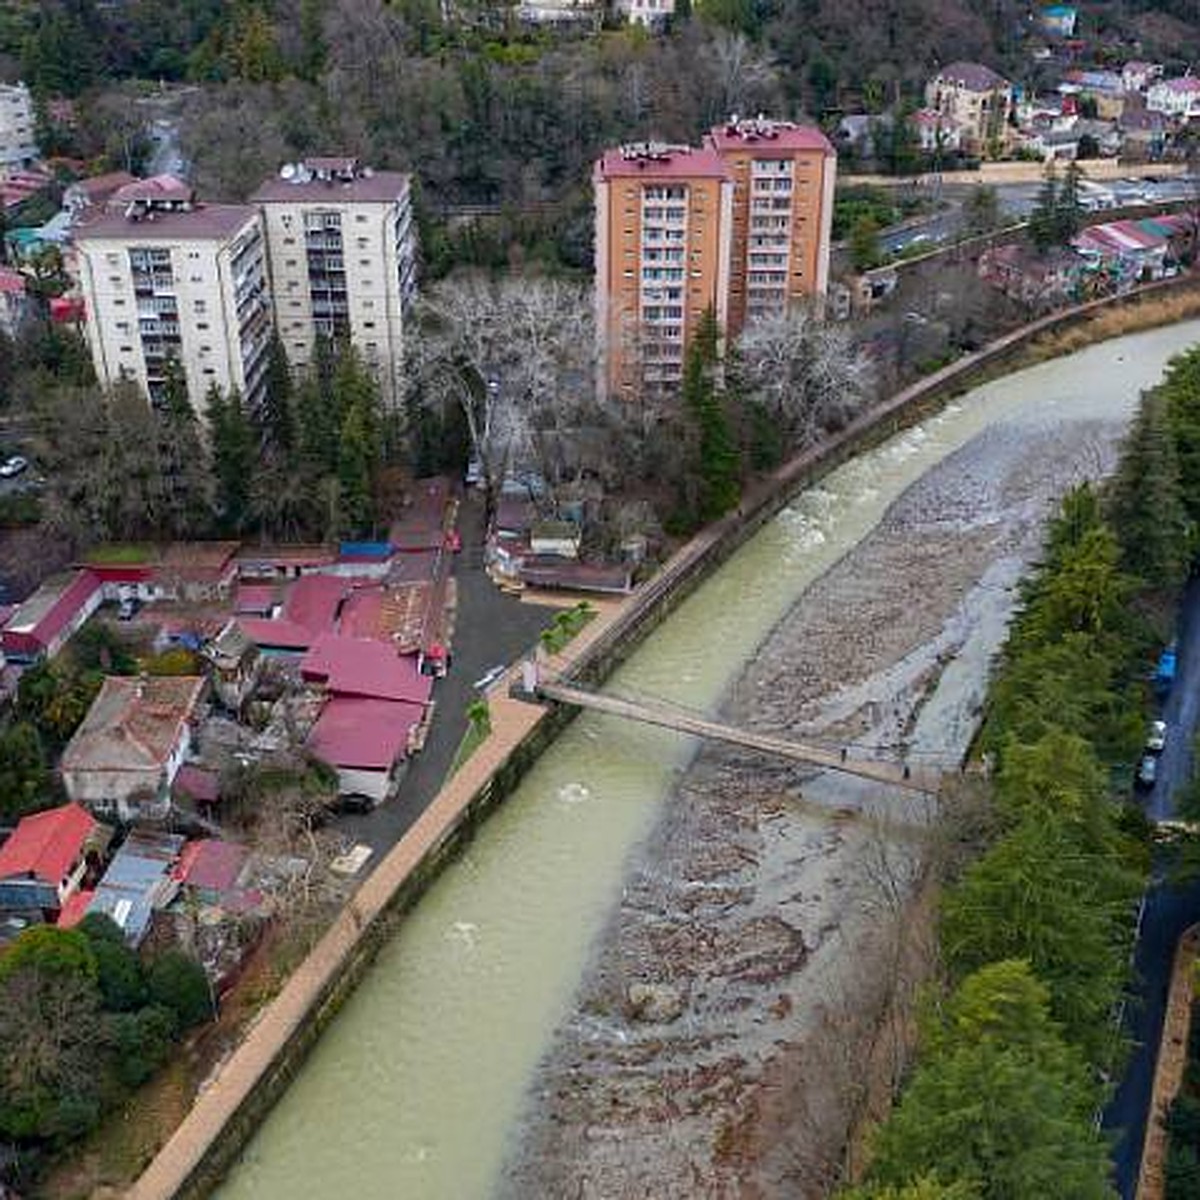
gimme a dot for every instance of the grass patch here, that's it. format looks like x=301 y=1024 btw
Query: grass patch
x=565 y=626
x=475 y=736
x=120 y=554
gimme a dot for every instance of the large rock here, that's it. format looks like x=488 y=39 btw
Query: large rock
x=658 y=1003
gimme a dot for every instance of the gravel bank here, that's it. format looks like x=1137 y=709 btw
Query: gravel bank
x=718 y=1042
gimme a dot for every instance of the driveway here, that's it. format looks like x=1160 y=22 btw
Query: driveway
x=490 y=629
x=1169 y=910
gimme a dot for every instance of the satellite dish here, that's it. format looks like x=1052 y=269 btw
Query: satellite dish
x=288 y=172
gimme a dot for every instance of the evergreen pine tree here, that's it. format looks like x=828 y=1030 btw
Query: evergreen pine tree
x=1043 y=221
x=231 y=439
x=276 y=416
x=717 y=465
x=187 y=492
x=1148 y=512
x=1068 y=212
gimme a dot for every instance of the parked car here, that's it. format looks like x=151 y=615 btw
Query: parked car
x=13 y=466
x=1147 y=772
x=1156 y=740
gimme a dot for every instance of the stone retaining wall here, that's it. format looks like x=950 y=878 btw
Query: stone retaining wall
x=227 y=1112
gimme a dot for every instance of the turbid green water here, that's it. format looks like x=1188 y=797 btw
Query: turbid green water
x=413 y=1091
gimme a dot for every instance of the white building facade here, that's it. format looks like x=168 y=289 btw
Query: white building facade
x=18 y=140
x=1177 y=98
x=342 y=249
x=164 y=279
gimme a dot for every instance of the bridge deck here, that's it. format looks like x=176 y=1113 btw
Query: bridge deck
x=655 y=712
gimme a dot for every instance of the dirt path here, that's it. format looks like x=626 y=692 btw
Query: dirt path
x=717 y=1044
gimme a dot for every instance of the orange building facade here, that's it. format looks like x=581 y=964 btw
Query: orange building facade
x=741 y=225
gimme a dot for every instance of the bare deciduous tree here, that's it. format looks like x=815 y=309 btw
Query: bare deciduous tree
x=806 y=371
x=512 y=354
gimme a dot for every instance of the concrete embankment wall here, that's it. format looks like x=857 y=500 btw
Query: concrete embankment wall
x=248 y=1084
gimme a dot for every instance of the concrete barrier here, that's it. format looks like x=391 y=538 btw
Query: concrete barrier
x=226 y=1113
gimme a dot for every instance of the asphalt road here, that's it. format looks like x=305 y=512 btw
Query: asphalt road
x=1168 y=911
x=490 y=629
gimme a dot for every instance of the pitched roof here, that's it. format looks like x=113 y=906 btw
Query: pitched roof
x=973 y=76
x=212 y=864
x=52 y=607
x=46 y=844
x=197 y=783
x=280 y=634
x=1185 y=85
x=75 y=908
x=167 y=188
x=139 y=879
x=133 y=724
x=363 y=733
x=98 y=188
x=362 y=667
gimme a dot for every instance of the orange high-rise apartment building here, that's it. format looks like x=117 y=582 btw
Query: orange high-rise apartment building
x=741 y=225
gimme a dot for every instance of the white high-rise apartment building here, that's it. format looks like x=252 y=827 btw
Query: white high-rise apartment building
x=164 y=277
x=342 y=250
x=18 y=140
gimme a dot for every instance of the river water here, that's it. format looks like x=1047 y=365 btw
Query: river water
x=415 y=1089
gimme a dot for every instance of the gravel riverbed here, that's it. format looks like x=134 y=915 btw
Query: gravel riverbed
x=719 y=1041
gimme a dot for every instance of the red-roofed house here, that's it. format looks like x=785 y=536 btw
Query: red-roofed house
x=211 y=868
x=124 y=758
x=347 y=666
x=366 y=741
x=45 y=859
x=44 y=622
x=13 y=300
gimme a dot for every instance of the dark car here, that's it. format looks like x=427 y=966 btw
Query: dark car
x=1147 y=772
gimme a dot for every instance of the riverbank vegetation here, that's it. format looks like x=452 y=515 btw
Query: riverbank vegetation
x=1036 y=932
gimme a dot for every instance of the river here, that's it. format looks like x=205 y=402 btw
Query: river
x=415 y=1090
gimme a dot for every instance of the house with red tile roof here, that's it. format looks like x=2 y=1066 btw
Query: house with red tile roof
x=347 y=666
x=43 y=623
x=45 y=859
x=124 y=758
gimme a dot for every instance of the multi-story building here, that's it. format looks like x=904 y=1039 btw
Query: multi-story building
x=741 y=226
x=663 y=221
x=342 y=248
x=977 y=99
x=165 y=278
x=1175 y=98
x=652 y=13
x=783 y=178
x=18 y=140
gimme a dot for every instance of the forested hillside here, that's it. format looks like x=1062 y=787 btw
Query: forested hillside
x=488 y=111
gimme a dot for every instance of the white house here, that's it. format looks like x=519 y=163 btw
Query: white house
x=1178 y=98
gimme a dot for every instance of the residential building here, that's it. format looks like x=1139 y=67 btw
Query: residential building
x=342 y=245
x=142 y=879
x=936 y=132
x=95 y=191
x=1175 y=98
x=129 y=748
x=1106 y=89
x=18 y=125
x=1138 y=76
x=977 y=99
x=1059 y=20
x=45 y=860
x=782 y=214
x=1138 y=250
x=646 y=12
x=558 y=12
x=236 y=665
x=42 y=624
x=664 y=218
x=14 y=301
x=166 y=278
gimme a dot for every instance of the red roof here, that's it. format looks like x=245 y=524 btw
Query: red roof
x=767 y=137
x=315 y=601
x=363 y=667
x=286 y=635
x=11 y=281
x=667 y=162
x=255 y=598
x=368 y=734
x=211 y=864
x=45 y=615
x=197 y=783
x=74 y=909
x=47 y=844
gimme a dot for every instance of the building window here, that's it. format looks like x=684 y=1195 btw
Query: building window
x=368 y=324
x=126 y=349
x=361 y=218
x=201 y=324
x=200 y=306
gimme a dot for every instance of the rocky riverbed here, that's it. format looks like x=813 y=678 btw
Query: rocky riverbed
x=724 y=1034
